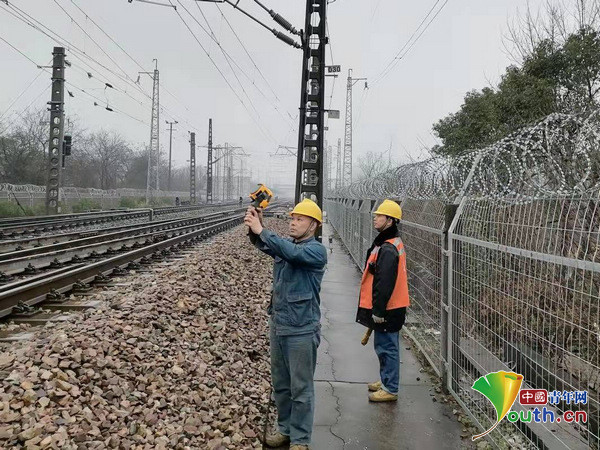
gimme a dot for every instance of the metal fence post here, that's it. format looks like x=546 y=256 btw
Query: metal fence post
x=450 y=316
x=449 y=214
x=359 y=238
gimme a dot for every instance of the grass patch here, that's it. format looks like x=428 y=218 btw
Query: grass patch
x=14 y=210
x=132 y=202
x=162 y=201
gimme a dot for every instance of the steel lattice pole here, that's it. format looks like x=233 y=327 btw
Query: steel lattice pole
x=310 y=161
x=347 y=165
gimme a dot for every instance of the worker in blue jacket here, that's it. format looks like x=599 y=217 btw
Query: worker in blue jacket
x=294 y=320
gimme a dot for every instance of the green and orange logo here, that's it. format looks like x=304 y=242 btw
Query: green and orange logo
x=501 y=389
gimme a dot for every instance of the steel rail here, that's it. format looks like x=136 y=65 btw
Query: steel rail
x=36 y=226
x=25 y=220
x=91 y=214
x=93 y=247
x=14 y=245
x=34 y=292
x=97 y=235
x=26 y=228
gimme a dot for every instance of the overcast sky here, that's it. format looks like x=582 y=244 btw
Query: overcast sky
x=461 y=50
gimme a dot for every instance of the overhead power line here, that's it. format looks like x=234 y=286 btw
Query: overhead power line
x=276 y=17
x=108 y=35
x=221 y=73
x=153 y=3
x=76 y=52
x=81 y=55
x=90 y=37
x=229 y=58
x=20 y=95
x=360 y=108
x=279 y=19
x=107 y=84
x=332 y=63
x=409 y=40
x=22 y=112
x=245 y=50
x=80 y=89
x=137 y=63
x=108 y=107
x=207 y=54
x=410 y=43
x=60 y=40
x=17 y=50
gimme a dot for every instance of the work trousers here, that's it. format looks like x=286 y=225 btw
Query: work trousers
x=293 y=363
x=387 y=348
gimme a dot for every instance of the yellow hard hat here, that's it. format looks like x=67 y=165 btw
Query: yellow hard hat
x=308 y=208
x=389 y=208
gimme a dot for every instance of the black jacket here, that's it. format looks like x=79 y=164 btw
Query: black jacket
x=384 y=281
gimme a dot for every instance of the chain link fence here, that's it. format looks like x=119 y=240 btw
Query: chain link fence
x=503 y=259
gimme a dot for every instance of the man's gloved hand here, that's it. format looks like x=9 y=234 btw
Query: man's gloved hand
x=378 y=319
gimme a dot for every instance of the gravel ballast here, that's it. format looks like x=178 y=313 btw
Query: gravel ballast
x=178 y=359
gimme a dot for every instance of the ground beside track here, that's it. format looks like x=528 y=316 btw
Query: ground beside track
x=178 y=358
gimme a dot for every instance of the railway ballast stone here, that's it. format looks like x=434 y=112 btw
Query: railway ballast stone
x=181 y=363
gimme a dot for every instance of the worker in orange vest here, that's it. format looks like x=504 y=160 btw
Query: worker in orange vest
x=384 y=299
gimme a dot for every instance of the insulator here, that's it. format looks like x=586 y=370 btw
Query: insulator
x=284 y=23
x=288 y=40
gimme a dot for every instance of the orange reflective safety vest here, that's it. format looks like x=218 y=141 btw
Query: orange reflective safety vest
x=399 y=298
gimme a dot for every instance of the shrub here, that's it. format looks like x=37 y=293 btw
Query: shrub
x=161 y=201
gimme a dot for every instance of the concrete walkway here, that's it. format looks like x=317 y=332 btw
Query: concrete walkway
x=344 y=418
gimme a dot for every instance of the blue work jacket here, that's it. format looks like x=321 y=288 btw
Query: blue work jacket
x=297 y=275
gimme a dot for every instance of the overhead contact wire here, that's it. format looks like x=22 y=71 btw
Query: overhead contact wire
x=220 y=71
x=136 y=62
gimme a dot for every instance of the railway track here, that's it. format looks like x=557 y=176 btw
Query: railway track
x=94 y=259
x=14 y=228
x=14 y=245
x=33 y=243
x=28 y=261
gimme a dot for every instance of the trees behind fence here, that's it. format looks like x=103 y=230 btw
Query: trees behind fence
x=99 y=160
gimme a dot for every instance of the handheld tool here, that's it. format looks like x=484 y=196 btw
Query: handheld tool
x=367 y=336
x=261 y=197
